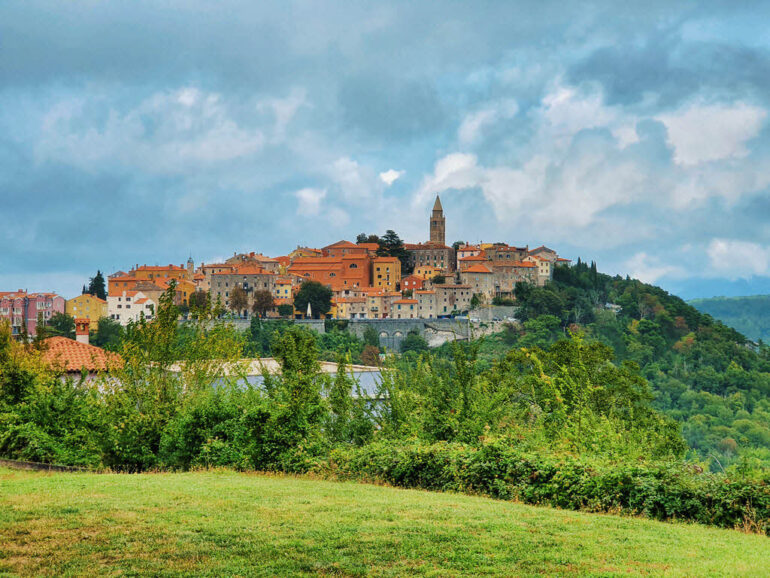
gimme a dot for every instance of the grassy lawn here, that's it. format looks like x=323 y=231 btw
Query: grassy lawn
x=225 y=523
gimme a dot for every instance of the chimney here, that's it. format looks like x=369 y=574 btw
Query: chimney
x=81 y=330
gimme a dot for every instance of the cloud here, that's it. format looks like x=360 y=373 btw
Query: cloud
x=737 y=259
x=650 y=269
x=703 y=133
x=284 y=109
x=167 y=132
x=474 y=123
x=356 y=183
x=390 y=176
x=309 y=201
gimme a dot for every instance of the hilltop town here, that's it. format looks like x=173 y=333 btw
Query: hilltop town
x=373 y=278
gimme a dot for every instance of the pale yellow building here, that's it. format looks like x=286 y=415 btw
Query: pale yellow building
x=427 y=272
x=86 y=307
x=386 y=273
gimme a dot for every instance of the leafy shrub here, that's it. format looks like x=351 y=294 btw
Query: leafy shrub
x=501 y=470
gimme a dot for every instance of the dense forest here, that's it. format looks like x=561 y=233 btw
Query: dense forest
x=749 y=315
x=705 y=375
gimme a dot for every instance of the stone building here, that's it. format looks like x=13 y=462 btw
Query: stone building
x=437 y=224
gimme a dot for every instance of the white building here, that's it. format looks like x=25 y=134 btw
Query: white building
x=130 y=306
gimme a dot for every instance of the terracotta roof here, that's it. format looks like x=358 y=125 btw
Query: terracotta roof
x=140 y=301
x=168 y=267
x=94 y=297
x=351 y=300
x=386 y=259
x=369 y=246
x=524 y=264
x=341 y=244
x=424 y=246
x=562 y=259
x=478 y=269
x=69 y=355
x=283 y=281
x=405 y=302
x=251 y=270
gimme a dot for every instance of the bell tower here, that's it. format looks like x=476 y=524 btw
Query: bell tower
x=437 y=224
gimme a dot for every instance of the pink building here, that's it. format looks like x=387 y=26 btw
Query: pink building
x=20 y=308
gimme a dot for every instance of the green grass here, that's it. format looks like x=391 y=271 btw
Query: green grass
x=226 y=523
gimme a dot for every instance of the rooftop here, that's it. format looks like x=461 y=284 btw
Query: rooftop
x=69 y=355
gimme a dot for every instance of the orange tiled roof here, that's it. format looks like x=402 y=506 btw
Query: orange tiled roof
x=124 y=278
x=369 y=246
x=477 y=269
x=405 y=302
x=168 y=267
x=524 y=264
x=341 y=244
x=69 y=355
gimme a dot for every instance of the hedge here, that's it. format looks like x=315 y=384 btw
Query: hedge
x=659 y=491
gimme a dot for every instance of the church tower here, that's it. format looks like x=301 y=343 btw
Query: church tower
x=438 y=224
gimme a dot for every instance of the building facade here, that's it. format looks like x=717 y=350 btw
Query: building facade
x=22 y=310
x=386 y=273
x=87 y=306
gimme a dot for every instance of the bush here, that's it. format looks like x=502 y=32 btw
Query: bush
x=501 y=470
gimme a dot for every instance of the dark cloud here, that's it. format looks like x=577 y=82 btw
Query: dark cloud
x=143 y=131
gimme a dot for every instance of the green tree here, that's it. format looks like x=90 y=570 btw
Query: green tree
x=199 y=301
x=414 y=342
x=97 y=287
x=286 y=310
x=319 y=296
x=238 y=300
x=364 y=238
x=62 y=325
x=262 y=302
x=391 y=245
x=371 y=336
x=108 y=334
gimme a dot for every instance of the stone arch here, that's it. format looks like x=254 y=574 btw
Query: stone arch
x=383 y=334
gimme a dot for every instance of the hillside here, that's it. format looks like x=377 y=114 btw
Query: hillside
x=704 y=374
x=226 y=523
x=749 y=315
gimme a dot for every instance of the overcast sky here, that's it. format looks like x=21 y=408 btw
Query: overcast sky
x=145 y=132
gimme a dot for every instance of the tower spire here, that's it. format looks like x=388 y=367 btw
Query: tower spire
x=437 y=224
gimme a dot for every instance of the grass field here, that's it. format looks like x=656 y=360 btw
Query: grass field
x=225 y=523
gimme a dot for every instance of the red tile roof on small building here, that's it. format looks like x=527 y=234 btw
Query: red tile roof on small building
x=69 y=355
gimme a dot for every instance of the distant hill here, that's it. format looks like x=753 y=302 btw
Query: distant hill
x=749 y=315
